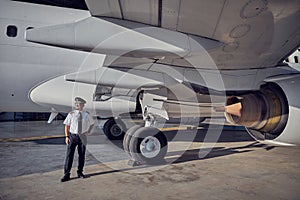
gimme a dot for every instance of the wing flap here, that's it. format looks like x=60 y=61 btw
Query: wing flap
x=106 y=8
x=144 y=11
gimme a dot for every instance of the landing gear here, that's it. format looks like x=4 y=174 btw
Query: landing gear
x=146 y=145
x=128 y=137
x=114 y=129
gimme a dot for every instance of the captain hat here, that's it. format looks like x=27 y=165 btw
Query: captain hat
x=79 y=100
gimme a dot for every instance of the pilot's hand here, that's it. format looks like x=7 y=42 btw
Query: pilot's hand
x=67 y=140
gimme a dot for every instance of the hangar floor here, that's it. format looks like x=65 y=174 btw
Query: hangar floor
x=236 y=167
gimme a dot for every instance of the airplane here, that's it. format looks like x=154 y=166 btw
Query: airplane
x=158 y=59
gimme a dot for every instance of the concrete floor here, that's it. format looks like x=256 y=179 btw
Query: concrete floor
x=32 y=156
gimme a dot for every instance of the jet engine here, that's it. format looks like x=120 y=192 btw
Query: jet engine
x=272 y=114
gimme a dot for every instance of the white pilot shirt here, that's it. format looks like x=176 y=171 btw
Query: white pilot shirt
x=72 y=121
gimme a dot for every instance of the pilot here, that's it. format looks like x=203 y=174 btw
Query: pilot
x=78 y=123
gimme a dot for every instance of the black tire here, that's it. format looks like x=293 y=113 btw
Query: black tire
x=141 y=136
x=128 y=137
x=201 y=119
x=114 y=130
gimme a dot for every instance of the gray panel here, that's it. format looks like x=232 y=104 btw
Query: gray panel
x=229 y=21
x=107 y=8
x=199 y=17
x=144 y=11
x=170 y=11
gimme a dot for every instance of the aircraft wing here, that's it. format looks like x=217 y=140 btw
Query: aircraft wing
x=254 y=34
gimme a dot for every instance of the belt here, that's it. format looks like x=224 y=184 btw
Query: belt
x=74 y=134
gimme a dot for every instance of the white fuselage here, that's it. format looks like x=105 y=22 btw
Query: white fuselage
x=25 y=65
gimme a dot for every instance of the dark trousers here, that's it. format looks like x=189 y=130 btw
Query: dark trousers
x=78 y=141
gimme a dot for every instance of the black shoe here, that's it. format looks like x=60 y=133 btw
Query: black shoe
x=81 y=175
x=65 y=178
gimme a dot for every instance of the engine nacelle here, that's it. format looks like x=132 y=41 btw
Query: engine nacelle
x=272 y=114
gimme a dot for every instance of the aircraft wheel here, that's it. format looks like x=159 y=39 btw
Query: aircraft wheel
x=114 y=130
x=148 y=145
x=128 y=137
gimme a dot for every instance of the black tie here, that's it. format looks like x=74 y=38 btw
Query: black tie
x=80 y=123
